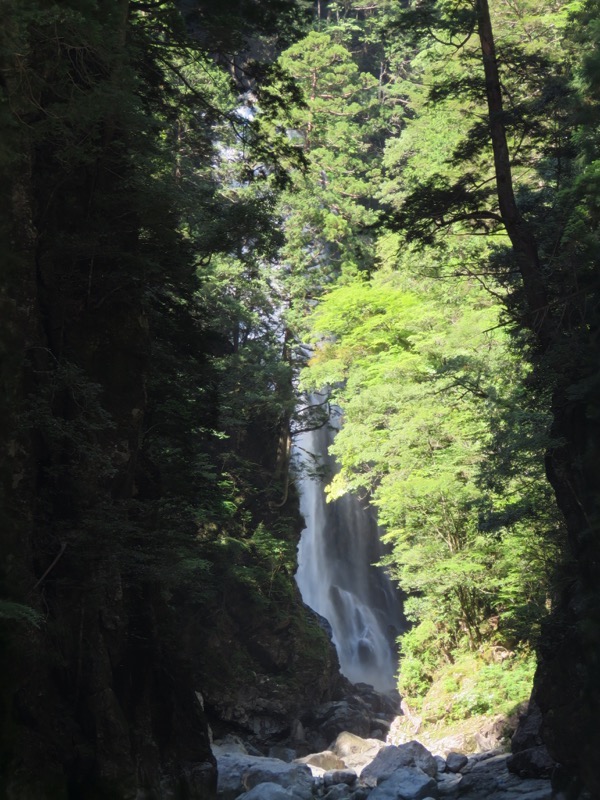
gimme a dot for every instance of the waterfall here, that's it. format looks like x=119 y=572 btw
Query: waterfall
x=336 y=573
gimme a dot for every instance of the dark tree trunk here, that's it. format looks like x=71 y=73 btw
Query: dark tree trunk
x=521 y=237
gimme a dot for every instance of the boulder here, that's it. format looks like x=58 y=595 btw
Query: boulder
x=455 y=762
x=448 y=783
x=239 y=773
x=406 y=783
x=389 y=759
x=349 y=714
x=528 y=733
x=358 y=761
x=348 y=744
x=347 y=776
x=361 y=793
x=326 y=760
x=536 y=762
x=441 y=764
x=355 y=751
x=484 y=776
x=340 y=791
x=228 y=744
x=267 y=791
x=487 y=776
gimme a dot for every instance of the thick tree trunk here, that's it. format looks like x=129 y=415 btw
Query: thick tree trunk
x=521 y=237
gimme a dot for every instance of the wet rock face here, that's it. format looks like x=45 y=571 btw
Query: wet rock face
x=261 y=716
x=258 y=679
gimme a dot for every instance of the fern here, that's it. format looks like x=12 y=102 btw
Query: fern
x=20 y=613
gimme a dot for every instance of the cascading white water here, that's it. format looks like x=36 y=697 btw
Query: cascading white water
x=336 y=573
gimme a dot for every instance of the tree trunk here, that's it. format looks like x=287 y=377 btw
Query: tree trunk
x=521 y=237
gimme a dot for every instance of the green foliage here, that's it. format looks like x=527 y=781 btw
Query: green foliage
x=476 y=685
x=270 y=562
x=18 y=612
x=328 y=210
x=455 y=189
x=437 y=431
x=433 y=359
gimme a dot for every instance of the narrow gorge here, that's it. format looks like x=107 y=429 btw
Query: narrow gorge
x=211 y=211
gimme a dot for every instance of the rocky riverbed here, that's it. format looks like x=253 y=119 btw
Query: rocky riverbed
x=359 y=769
x=356 y=748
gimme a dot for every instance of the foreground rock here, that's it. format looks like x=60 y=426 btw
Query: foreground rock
x=267 y=791
x=406 y=772
x=456 y=762
x=355 y=752
x=406 y=783
x=391 y=759
x=239 y=773
x=530 y=757
x=486 y=775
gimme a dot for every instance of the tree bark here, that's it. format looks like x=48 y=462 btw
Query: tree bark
x=519 y=233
